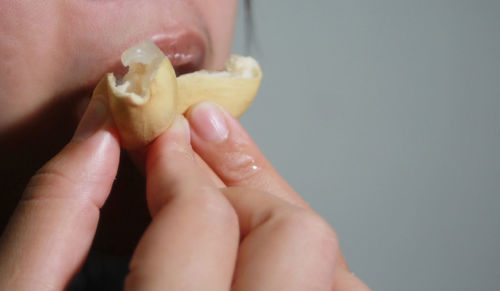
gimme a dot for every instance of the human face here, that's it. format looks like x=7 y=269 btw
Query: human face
x=53 y=52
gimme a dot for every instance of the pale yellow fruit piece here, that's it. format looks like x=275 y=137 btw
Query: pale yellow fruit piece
x=234 y=89
x=145 y=101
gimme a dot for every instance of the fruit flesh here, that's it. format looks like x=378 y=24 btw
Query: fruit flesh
x=143 y=61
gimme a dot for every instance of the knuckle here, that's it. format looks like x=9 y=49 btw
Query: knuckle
x=52 y=185
x=50 y=179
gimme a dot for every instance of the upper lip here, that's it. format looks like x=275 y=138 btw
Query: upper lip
x=185 y=49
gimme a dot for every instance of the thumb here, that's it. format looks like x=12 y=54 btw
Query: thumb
x=53 y=226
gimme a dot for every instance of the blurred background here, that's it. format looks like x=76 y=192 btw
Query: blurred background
x=385 y=116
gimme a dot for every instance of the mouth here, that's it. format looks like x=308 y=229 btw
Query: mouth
x=185 y=49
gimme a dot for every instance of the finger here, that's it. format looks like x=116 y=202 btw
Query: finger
x=192 y=241
x=344 y=280
x=51 y=231
x=208 y=171
x=284 y=247
x=222 y=142
x=138 y=157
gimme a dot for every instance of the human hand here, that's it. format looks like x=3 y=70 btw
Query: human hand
x=51 y=231
x=213 y=227
x=224 y=219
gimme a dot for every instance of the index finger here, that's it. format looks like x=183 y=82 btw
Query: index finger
x=230 y=152
x=192 y=241
x=53 y=226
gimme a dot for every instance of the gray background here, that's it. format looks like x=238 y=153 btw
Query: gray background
x=384 y=115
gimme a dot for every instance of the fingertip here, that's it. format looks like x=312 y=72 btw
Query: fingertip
x=209 y=122
x=95 y=117
x=96 y=133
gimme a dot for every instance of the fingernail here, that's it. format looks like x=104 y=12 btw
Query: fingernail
x=208 y=121
x=93 y=119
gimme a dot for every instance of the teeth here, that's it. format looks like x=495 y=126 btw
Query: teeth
x=149 y=96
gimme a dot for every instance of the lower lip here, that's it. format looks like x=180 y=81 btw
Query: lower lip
x=185 y=50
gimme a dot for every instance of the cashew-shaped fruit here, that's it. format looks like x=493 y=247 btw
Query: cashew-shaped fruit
x=145 y=101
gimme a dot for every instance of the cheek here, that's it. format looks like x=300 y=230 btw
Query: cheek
x=220 y=16
x=29 y=57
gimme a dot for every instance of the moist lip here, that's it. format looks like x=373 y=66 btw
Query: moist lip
x=185 y=50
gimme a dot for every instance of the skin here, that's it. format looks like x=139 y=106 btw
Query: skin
x=208 y=211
